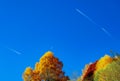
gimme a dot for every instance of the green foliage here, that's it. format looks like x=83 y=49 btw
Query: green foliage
x=50 y=69
x=110 y=73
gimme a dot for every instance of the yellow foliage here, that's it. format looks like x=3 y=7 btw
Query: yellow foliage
x=47 y=54
x=28 y=71
x=103 y=62
x=48 y=68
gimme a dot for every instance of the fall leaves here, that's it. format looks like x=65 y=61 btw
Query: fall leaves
x=49 y=68
x=105 y=69
x=103 y=62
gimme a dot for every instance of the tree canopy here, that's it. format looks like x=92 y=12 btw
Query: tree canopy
x=49 y=68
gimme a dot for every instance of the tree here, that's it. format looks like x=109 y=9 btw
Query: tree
x=96 y=71
x=49 y=68
x=111 y=72
x=87 y=74
x=103 y=62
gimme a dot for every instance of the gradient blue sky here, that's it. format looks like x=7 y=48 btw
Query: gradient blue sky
x=29 y=28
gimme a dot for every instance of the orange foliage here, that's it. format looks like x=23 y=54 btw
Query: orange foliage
x=88 y=71
x=103 y=62
x=91 y=69
x=48 y=68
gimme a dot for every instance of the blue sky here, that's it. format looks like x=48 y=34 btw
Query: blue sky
x=29 y=28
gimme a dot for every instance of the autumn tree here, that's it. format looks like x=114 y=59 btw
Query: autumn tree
x=94 y=71
x=49 y=68
x=111 y=72
x=87 y=74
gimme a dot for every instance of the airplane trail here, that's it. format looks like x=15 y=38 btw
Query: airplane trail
x=87 y=17
x=106 y=32
x=15 y=51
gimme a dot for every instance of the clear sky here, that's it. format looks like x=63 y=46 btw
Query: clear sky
x=77 y=31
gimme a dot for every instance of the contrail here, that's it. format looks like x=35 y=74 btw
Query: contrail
x=15 y=51
x=87 y=17
x=106 y=32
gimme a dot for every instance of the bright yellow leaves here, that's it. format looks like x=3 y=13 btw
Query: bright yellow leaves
x=103 y=62
x=28 y=71
x=92 y=69
x=48 y=68
x=47 y=54
x=111 y=72
x=31 y=75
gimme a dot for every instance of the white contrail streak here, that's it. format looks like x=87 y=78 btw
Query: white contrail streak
x=87 y=17
x=106 y=32
x=15 y=51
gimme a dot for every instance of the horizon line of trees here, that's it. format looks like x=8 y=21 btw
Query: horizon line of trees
x=49 y=68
